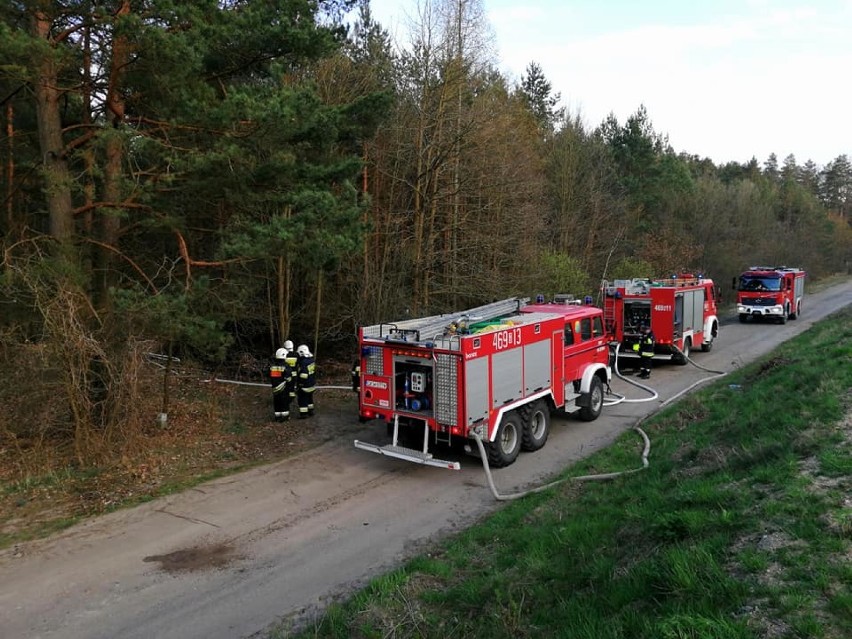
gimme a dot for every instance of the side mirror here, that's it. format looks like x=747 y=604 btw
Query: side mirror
x=734 y=283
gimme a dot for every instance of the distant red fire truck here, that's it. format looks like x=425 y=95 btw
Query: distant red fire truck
x=770 y=292
x=680 y=310
x=495 y=371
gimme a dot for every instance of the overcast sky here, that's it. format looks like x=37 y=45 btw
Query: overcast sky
x=725 y=79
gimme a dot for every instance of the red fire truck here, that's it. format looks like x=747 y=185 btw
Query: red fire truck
x=770 y=292
x=496 y=370
x=681 y=312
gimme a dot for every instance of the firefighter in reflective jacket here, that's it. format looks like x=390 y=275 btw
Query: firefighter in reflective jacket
x=305 y=381
x=292 y=362
x=645 y=347
x=281 y=377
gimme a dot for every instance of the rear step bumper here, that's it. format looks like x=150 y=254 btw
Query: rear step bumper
x=407 y=454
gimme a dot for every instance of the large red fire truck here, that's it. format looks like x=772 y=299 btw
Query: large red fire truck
x=681 y=312
x=770 y=292
x=496 y=371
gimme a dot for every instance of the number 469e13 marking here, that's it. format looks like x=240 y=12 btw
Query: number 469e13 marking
x=506 y=338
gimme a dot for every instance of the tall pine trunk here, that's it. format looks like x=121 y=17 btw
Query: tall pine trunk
x=110 y=219
x=57 y=176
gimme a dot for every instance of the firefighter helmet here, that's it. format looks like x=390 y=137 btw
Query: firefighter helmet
x=303 y=351
x=289 y=346
x=281 y=353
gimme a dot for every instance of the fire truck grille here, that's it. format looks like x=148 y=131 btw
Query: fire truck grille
x=446 y=390
x=763 y=301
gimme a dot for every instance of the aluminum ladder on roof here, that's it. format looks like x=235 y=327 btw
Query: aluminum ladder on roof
x=429 y=328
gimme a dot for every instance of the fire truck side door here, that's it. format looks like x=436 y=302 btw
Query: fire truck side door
x=588 y=337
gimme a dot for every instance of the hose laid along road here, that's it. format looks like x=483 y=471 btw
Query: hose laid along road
x=291 y=535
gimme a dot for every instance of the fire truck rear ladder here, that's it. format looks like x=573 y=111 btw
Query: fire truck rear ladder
x=408 y=454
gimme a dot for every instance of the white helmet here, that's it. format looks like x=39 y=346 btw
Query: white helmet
x=281 y=353
x=289 y=346
x=303 y=351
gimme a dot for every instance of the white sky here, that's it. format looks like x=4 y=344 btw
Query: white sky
x=725 y=79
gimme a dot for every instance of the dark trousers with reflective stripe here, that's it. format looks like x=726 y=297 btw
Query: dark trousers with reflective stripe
x=281 y=402
x=306 y=401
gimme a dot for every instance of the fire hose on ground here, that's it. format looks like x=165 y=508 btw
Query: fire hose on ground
x=233 y=381
x=619 y=399
x=594 y=477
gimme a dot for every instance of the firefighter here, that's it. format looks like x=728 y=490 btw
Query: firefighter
x=356 y=375
x=646 y=351
x=280 y=376
x=292 y=362
x=305 y=382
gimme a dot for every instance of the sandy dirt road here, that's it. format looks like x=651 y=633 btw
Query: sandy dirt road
x=230 y=557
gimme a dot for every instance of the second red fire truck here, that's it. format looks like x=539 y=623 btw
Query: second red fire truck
x=495 y=372
x=770 y=292
x=680 y=310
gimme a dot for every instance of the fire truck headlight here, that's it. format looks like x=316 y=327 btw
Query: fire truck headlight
x=741 y=308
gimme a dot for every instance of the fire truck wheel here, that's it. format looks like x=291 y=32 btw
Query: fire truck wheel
x=507 y=444
x=536 y=427
x=743 y=318
x=683 y=357
x=593 y=410
x=707 y=347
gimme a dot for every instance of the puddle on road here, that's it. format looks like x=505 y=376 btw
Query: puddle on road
x=214 y=556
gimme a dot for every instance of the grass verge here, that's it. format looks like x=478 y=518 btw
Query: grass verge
x=741 y=527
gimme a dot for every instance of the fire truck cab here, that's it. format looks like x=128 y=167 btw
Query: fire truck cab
x=495 y=372
x=680 y=310
x=770 y=292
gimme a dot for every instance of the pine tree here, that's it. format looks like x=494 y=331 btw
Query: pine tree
x=537 y=92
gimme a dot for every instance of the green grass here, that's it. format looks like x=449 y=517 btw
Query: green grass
x=741 y=527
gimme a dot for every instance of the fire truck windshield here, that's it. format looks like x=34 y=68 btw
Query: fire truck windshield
x=750 y=283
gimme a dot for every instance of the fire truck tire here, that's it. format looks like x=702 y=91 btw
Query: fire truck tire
x=743 y=318
x=683 y=357
x=507 y=444
x=591 y=412
x=783 y=318
x=708 y=346
x=536 y=427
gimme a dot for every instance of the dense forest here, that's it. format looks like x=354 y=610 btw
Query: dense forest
x=206 y=178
